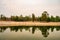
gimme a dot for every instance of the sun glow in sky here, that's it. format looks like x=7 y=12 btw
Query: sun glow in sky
x=27 y=7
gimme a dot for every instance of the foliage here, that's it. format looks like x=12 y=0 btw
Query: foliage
x=2 y=17
x=33 y=17
x=52 y=19
x=44 y=18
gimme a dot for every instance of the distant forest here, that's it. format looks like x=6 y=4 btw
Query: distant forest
x=43 y=18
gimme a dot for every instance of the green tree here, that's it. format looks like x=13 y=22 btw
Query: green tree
x=48 y=19
x=21 y=18
x=57 y=19
x=44 y=16
x=33 y=17
x=2 y=17
x=13 y=18
x=38 y=18
x=27 y=18
x=16 y=18
x=52 y=19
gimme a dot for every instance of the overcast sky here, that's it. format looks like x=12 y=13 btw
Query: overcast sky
x=27 y=7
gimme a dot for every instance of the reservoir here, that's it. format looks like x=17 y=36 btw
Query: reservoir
x=30 y=33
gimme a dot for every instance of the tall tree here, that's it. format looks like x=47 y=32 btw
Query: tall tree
x=44 y=16
x=1 y=16
x=33 y=17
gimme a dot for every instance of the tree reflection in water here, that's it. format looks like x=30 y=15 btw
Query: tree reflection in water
x=19 y=28
x=44 y=30
x=2 y=29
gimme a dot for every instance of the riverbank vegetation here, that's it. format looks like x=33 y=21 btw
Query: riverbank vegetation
x=43 y=18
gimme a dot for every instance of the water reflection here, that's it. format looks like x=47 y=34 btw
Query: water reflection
x=2 y=29
x=19 y=28
x=44 y=30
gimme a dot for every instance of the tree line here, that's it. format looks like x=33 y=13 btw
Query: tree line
x=43 y=18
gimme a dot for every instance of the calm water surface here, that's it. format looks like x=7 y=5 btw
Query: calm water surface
x=30 y=33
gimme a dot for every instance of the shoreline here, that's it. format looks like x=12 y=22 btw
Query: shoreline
x=29 y=23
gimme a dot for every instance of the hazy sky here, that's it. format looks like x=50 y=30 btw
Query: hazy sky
x=27 y=7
